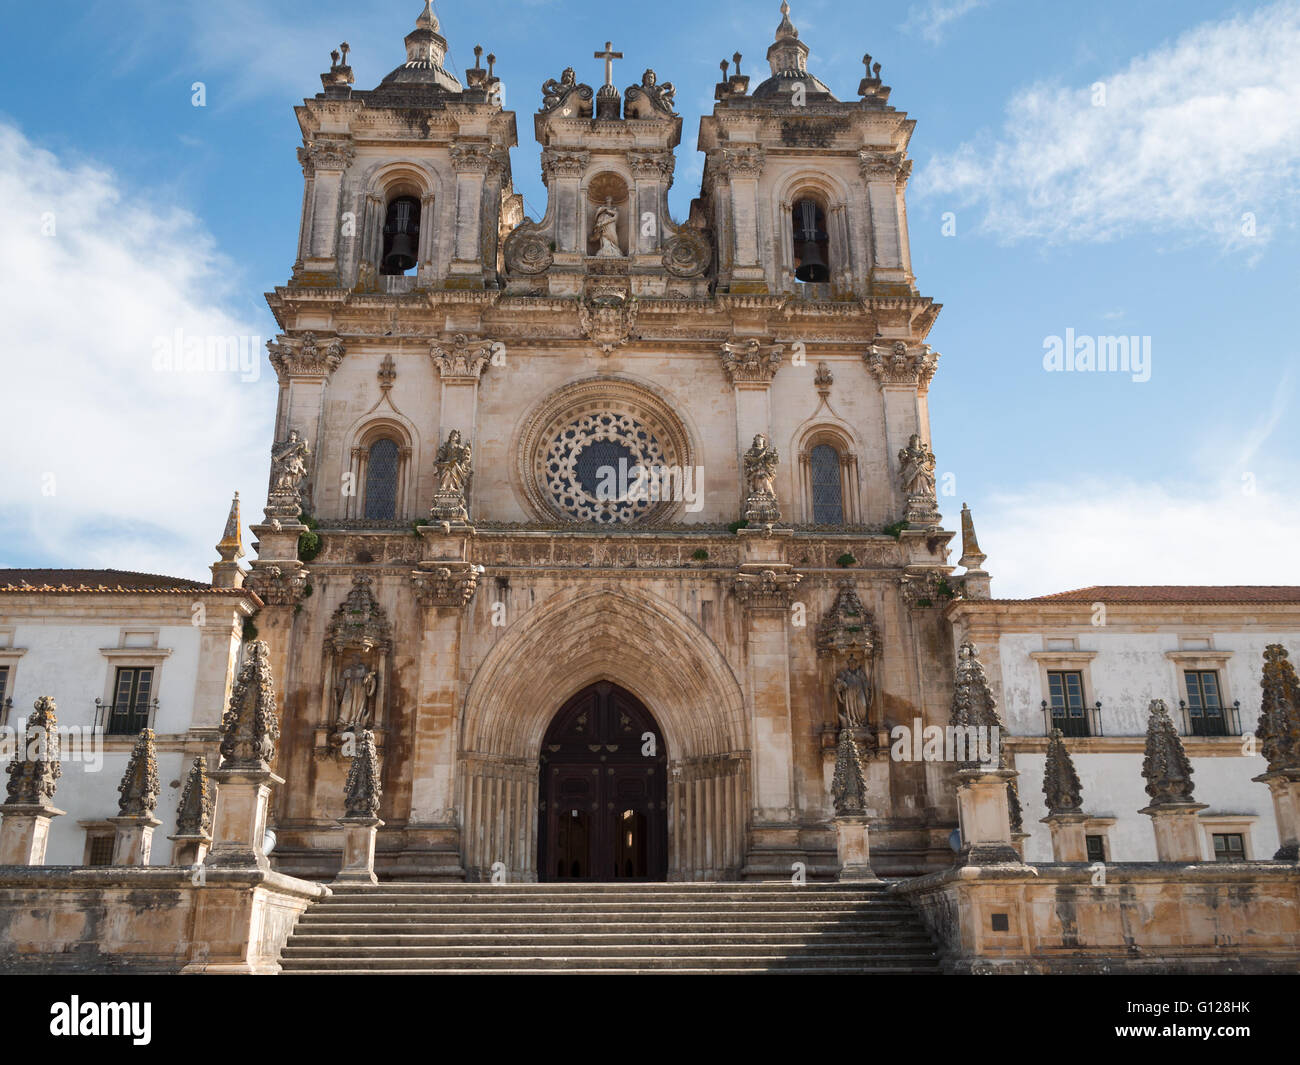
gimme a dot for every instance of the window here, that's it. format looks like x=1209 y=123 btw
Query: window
x=99 y=850
x=1204 y=704
x=401 y=236
x=1229 y=847
x=381 y=481
x=1065 y=698
x=827 y=489
x=132 y=696
x=811 y=243
x=5 y=701
x=1096 y=848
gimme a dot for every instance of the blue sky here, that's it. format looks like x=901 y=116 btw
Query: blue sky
x=1169 y=212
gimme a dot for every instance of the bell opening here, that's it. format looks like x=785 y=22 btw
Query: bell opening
x=811 y=243
x=401 y=236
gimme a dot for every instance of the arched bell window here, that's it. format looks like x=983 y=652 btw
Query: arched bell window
x=827 y=486
x=812 y=253
x=401 y=236
x=381 y=480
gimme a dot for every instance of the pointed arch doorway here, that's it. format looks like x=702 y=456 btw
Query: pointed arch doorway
x=603 y=802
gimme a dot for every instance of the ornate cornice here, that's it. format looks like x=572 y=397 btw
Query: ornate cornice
x=306 y=356
x=898 y=364
x=325 y=155
x=652 y=164
x=449 y=585
x=766 y=589
x=749 y=362
x=558 y=163
x=464 y=361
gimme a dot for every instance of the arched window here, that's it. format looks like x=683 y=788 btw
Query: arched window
x=827 y=486
x=401 y=236
x=381 y=481
x=811 y=242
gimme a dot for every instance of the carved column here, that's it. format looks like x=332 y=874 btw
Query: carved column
x=765 y=588
x=880 y=171
x=323 y=165
x=470 y=160
x=562 y=171
x=461 y=363
x=652 y=172
x=743 y=165
x=444 y=584
x=750 y=366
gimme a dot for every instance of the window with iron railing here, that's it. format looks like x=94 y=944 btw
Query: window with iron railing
x=1096 y=848
x=1064 y=707
x=1203 y=712
x=133 y=705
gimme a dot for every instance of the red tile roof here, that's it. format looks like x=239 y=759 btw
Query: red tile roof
x=101 y=580
x=1176 y=593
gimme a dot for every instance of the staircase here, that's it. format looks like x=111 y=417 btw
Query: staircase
x=405 y=928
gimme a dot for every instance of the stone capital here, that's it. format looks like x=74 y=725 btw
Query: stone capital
x=749 y=362
x=448 y=584
x=898 y=363
x=769 y=588
x=461 y=359
x=316 y=156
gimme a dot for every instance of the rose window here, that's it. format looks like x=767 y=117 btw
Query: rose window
x=592 y=468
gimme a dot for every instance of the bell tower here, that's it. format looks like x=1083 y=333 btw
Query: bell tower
x=805 y=191
x=407 y=185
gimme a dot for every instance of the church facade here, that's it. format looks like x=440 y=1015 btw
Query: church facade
x=616 y=518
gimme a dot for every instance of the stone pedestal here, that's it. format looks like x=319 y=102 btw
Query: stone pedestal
x=24 y=832
x=1069 y=842
x=190 y=850
x=358 y=850
x=1177 y=831
x=853 y=849
x=239 y=824
x=133 y=839
x=1285 y=787
x=985 y=817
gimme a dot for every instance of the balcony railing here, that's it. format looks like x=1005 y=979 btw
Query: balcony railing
x=124 y=719
x=1073 y=721
x=1211 y=720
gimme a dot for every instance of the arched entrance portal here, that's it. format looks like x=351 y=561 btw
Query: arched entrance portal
x=603 y=802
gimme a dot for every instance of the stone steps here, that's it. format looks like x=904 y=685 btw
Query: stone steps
x=466 y=929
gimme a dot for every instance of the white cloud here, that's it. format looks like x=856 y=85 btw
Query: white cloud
x=108 y=461
x=1191 y=140
x=1052 y=537
x=932 y=19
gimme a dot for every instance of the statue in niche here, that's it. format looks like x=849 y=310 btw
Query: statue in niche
x=916 y=466
x=760 y=467
x=606 y=231
x=853 y=693
x=289 y=464
x=352 y=697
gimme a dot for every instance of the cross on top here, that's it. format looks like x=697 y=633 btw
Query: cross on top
x=609 y=56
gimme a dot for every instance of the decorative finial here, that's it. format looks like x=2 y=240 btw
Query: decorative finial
x=1279 y=715
x=848 y=786
x=427 y=20
x=32 y=780
x=139 y=788
x=1060 y=781
x=194 y=815
x=478 y=52
x=1166 y=767
x=971 y=555
x=492 y=61
x=250 y=727
x=362 y=792
x=786 y=29
x=736 y=58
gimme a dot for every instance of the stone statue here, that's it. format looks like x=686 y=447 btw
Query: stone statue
x=606 y=231
x=455 y=474
x=760 y=467
x=352 y=695
x=454 y=463
x=289 y=464
x=853 y=691
x=916 y=466
x=557 y=95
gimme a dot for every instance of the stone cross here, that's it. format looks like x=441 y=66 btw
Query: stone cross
x=609 y=56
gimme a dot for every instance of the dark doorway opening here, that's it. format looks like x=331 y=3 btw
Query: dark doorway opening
x=604 y=791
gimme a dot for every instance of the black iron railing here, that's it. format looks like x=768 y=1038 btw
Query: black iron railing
x=1073 y=720
x=1211 y=720
x=124 y=718
x=5 y=707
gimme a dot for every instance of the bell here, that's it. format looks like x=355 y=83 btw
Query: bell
x=401 y=255
x=809 y=236
x=811 y=268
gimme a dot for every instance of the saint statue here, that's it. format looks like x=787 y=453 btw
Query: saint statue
x=454 y=464
x=853 y=693
x=606 y=230
x=289 y=464
x=760 y=467
x=916 y=468
x=352 y=694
